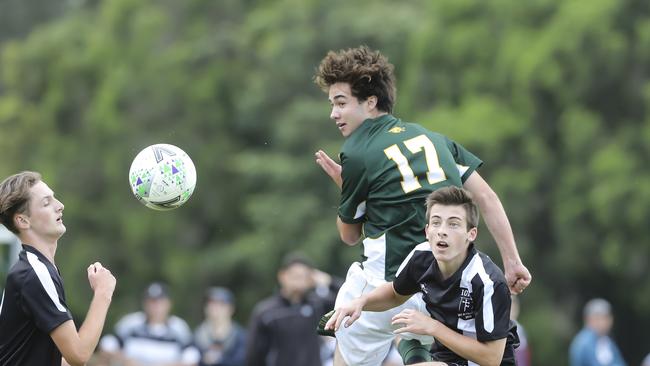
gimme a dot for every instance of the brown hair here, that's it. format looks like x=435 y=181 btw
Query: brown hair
x=454 y=196
x=368 y=72
x=14 y=197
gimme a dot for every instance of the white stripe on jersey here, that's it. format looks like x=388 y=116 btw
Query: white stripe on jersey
x=361 y=210
x=2 y=301
x=462 y=169
x=44 y=277
x=475 y=267
x=425 y=246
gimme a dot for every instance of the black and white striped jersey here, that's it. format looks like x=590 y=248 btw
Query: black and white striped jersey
x=152 y=344
x=474 y=301
x=33 y=305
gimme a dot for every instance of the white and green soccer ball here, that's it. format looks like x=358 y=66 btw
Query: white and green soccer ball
x=162 y=177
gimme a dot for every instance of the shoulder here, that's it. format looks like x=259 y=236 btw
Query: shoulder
x=130 y=322
x=179 y=327
x=419 y=259
x=266 y=305
x=491 y=269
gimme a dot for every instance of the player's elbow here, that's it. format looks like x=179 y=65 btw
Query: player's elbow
x=350 y=238
x=492 y=357
x=78 y=358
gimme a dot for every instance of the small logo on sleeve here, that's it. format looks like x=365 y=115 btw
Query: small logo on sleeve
x=397 y=129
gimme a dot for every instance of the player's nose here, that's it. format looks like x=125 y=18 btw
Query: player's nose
x=60 y=205
x=334 y=114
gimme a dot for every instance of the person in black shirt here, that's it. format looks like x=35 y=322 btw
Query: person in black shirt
x=282 y=329
x=466 y=294
x=37 y=327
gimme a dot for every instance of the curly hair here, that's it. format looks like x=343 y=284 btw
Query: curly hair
x=368 y=72
x=14 y=197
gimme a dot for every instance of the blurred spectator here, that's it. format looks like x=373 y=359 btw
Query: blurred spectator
x=592 y=346
x=221 y=340
x=151 y=337
x=522 y=353
x=282 y=330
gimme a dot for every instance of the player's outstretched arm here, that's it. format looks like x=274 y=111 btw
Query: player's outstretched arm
x=381 y=298
x=495 y=218
x=482 y=353
x=329 y=166
x=78 y=347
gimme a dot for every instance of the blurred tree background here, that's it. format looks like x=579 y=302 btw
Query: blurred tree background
x=551 y=94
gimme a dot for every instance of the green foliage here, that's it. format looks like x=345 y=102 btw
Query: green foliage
x=550 y=94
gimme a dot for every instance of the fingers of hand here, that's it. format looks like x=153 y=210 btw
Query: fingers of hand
x=332 y=321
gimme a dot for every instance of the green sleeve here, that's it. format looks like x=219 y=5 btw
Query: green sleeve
x=466 y=161
x=355 y=188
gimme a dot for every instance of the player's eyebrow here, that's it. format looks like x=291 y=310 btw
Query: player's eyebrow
x=338 y=96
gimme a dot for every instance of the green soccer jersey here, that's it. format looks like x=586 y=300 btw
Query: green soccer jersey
x=389 y=167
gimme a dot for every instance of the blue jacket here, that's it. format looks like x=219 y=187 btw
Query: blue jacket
x=590 y=349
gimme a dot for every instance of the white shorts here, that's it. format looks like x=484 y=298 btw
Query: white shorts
x=368 y=340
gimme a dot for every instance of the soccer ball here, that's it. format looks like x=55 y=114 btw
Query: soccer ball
x=162 y=177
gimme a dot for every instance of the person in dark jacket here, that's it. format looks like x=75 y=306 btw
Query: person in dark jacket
x=282 y=329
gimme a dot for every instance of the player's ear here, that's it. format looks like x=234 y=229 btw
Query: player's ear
x=21 y=221
x=372 y=101
x=472 y=233
x=426 y=231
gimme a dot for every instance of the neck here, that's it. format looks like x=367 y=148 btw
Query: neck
x=293 y=297
x=448 y=268
x=45 y=247
x=221 y=327
x=376 y=114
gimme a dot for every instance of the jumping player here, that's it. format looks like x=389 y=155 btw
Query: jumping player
x=388 y=167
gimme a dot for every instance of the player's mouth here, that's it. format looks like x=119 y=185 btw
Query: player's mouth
x=442 y=245
x=341 y=125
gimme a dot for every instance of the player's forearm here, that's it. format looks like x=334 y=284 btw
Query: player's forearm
x=482 y=353
x=91 y=329
x=382 y=298
x=497 y=222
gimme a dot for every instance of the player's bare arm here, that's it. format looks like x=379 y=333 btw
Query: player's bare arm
x=350 y=233
x=483 y=353
x=495 y=218
x=382 y=298
x=78 y=347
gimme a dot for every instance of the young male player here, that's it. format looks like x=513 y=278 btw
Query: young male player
x=387 y=169
x=466 y=294
x=36 y=327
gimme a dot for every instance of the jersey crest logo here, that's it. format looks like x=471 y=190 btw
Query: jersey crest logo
x=465 y=305
x=397 y=129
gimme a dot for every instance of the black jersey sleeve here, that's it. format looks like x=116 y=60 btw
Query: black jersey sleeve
x=492 y=312
x=40 y=298
x=407 y=281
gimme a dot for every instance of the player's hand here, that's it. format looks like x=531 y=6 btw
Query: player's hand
x=101 y=279
x=351 y=310
x=413 y=321
x=332 y=168
x=518 y=277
